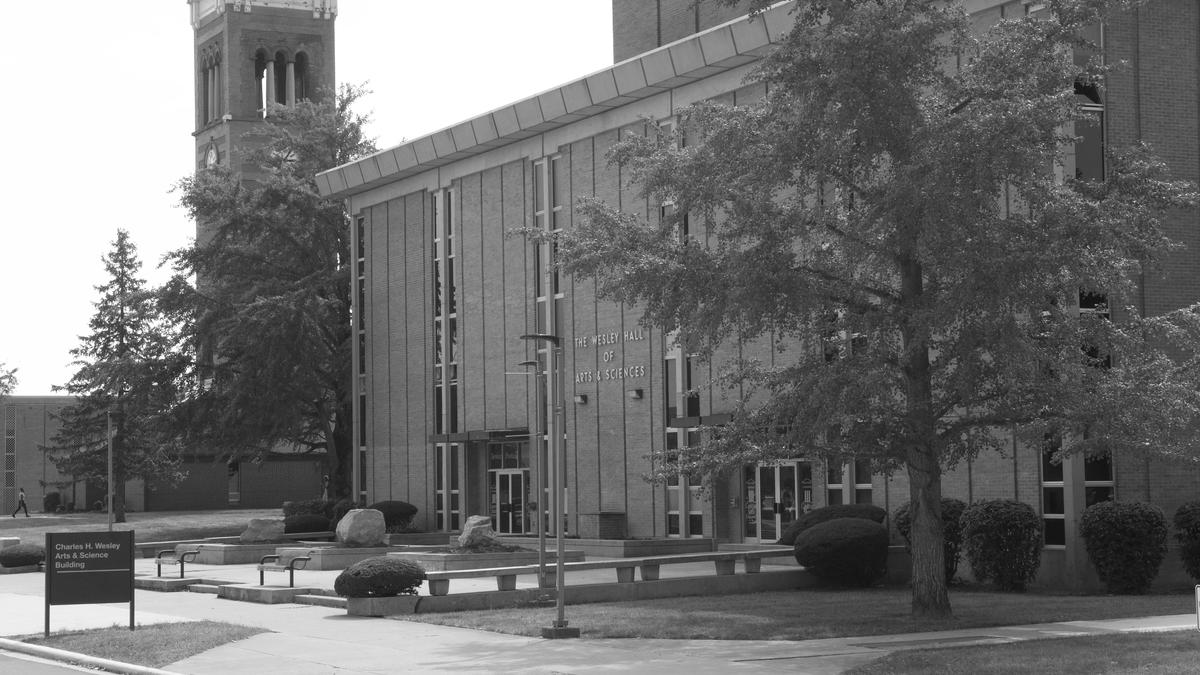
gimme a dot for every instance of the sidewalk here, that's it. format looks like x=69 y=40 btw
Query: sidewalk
x=320 y=640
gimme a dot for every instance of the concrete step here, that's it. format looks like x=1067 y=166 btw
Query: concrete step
x=204 y=588
x=321 y=600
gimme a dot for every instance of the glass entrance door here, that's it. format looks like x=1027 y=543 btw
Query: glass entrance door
x=775 y=494
x=511 y=498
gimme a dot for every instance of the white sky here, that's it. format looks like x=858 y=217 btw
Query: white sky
x=98 y=118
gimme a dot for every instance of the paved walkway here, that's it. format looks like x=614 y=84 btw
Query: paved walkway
x=320 y=640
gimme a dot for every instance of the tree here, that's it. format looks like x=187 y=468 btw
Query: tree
x=8 y=380
x=263 y=299
x=854 y=221
x=121 y=384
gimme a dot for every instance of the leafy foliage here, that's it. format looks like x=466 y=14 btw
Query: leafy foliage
x=397 y=515
x=952 y=510
x=886 y=222
x=126 y=374
x=305 y=522
x=379 y=577
x=1127 y=542
x=8 y=380
x=22 y=555
x=844 y=551
x=1003 y=541
x=1187 y=533
x=265 y=292
x=824 y=513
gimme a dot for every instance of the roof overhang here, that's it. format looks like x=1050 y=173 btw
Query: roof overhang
x=695 y=57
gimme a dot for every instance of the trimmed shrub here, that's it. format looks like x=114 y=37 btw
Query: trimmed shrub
x=844 y=551
x=1003 y=541
x=1187 y=533
x=826 y=513
x=305 y=522
x=379 y=577
x=1126 y=542
x=22 y=555
x=397 y=515
x=340 y=508
x=952 y=510
x=50 y=502
x=302 y=507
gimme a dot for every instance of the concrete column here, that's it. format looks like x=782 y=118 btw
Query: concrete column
x=270 y=87
x=218 y=91
x=290 y=83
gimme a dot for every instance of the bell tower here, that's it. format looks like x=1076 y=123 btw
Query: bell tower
x=249 y=53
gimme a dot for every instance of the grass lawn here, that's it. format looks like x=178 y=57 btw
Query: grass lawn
x=1160 y=653
x=810 y=614
x=151 y=526
x=155 y=645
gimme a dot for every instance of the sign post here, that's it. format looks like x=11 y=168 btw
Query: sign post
x=85 y=568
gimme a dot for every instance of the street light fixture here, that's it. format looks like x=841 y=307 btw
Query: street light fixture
x=554 y=396
x=533 y=421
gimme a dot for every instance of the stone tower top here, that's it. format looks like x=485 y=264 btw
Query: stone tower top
x=201 y=9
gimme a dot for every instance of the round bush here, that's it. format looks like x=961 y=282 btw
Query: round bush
x=22 y=555
x=50 y=502
x=844 y=551
x=397 y=515
x=1003 y=542
x=317 y=507
x=952 y=510
x=379 y=577
x=1187 y=533
x=1126 y=541
x=305 y=522
x=826 y=513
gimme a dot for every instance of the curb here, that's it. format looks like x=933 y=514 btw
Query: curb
x=82 y=659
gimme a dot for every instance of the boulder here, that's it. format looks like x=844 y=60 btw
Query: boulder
x=477 y=532
x=361 y=528
x=262 y=530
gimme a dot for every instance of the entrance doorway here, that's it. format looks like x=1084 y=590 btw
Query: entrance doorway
x=774 y=495
x=510 y=492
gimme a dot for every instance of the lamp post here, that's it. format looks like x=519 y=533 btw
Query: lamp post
x=109 y=484
x=533 y=421
x=554 y=396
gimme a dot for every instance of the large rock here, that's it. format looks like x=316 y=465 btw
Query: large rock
x=360 y=528
x=476 y=532
x=262 y=530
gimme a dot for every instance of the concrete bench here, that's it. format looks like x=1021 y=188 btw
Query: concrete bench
x=506 y=577
x=170 y=557
x=270 y=563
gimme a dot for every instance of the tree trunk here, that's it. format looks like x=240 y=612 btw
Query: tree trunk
x=118 y=497
x=929 y=596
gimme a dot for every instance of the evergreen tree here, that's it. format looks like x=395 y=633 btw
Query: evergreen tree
x=889 y=223
x=121 y=384
x=263 y=299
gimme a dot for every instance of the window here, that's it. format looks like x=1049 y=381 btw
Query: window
x=850 y=481
x=1098 y=484
x=1054 y=503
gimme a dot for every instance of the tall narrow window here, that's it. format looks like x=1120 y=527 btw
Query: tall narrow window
x=1054 y=502
x=301 y=76
x=445 y=392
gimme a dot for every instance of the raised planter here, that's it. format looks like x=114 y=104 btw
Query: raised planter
x=435 y=561
x=396 y=604
x=623 y=548
x=236 y=554
x=324 y=557
x=418 y=538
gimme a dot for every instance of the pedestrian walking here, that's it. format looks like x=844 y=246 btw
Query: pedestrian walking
x=21 y=503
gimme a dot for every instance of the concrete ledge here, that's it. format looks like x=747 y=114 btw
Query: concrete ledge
x=5 y=542
x=622 y=548
x=169 y=584
x=321 y=600
x=773 y=580
x=204 y=588
x=20 y=569
x=397 y=604
x=266 y=595
x=445 y=562
x=329 y=557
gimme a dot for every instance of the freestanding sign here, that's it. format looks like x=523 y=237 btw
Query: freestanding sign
x=89 y=568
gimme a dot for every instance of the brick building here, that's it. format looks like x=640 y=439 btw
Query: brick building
x=443 y=297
